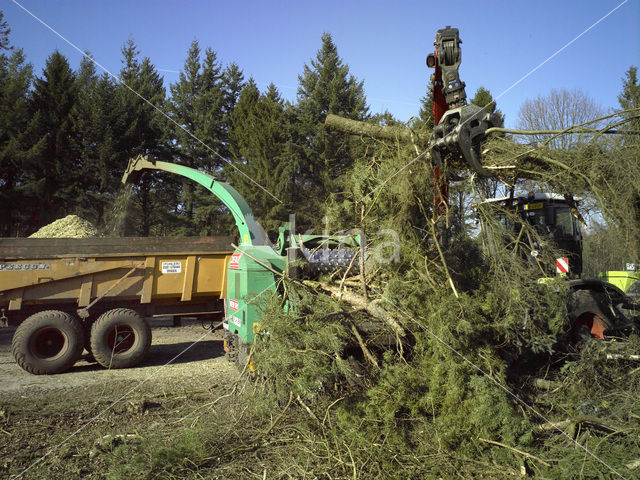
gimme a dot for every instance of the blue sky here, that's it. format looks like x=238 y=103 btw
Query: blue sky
x=383 y=42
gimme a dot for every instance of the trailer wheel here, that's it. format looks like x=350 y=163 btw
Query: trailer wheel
x=48 y=342
x=587 y=314
x=120 y=338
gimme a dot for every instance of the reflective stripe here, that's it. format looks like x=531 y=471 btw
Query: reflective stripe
x=562 y=265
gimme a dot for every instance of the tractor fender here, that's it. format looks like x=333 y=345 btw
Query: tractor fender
x=616 y=295
x=602 y=300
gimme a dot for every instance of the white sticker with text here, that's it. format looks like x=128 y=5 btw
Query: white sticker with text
x=171 y=267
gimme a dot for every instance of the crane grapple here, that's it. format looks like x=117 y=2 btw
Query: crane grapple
x=460 y=128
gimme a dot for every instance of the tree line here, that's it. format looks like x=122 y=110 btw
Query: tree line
x=67 y=135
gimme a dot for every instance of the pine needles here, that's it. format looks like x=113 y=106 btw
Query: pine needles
x=482 y=383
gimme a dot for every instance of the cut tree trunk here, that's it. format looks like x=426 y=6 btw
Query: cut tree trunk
x=379 y=132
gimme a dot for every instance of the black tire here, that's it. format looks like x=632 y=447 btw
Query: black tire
x=120 y=338
x=588 y=315
x=48 y=342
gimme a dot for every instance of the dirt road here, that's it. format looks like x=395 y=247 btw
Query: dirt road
x=63 y=417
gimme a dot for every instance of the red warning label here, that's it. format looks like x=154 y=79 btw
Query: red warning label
x=234 y=264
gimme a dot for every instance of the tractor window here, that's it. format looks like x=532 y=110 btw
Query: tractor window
x=537 y=219
x=506 y=222
x=564 y=222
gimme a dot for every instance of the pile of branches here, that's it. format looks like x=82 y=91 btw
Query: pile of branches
x=453 y=350
x=439 y=359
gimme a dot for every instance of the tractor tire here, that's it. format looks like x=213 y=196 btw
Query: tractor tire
x=120 y=338
x=588 y=314
x=48 y=342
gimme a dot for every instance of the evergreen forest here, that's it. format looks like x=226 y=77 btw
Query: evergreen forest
x=436 y=359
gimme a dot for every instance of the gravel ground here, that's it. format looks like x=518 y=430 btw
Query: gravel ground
x=61 y=417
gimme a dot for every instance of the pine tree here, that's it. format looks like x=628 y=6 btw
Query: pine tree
x=630 y=98
x=425 y=115
x=489 y=187
x=4 y=34
x=94 y=116
x=325 y=86
x=141 y=130
x=197 y=105
x=15 y=80
x=51 y=165
x=233 y=79
x=483 y=98
x=258 y=145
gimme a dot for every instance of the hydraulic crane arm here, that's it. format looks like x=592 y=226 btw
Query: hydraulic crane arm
x=251 y=232
x=460 y=128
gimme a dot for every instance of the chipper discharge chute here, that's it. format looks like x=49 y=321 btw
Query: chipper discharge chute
x=256 y=267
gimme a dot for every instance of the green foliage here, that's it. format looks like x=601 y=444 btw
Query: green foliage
x=95 y=119
x=630 y=96
x=325 y=86
x=4 y=34
x=425 y=114
x=51 y=164
x=259 y=133
x=302 y=352
x=15 y=80
x=198 y=106
x=483 y=98
x=175 y=458
x=141 y=131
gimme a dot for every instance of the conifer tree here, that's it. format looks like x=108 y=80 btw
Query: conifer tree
x=141 y=130
x=197 y=104
x=4 y=34
x=483 y=98
x=233 y=79
x=630 y=98
x=94 y=116
x=425 y=115
x=258 y=144
x=325 y=86
x=51 y=165
x=15 y=80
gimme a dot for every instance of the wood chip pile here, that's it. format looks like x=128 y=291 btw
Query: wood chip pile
x=70 y=226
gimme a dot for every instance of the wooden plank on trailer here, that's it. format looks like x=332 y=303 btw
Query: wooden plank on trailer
x=147 y=283
x=189 y=276
x=101 y=246
x=15 y=299
x=85 y=291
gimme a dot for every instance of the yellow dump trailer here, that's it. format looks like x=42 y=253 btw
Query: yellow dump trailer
x=95 y=293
